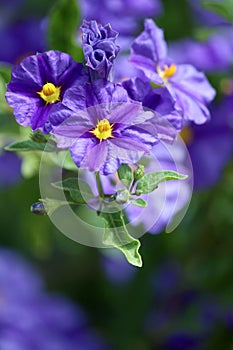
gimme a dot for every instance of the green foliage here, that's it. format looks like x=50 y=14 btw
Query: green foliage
x=79 y=190
x=222 y=8
x=139 y=172
x=51 y=204
x=62 y=31
x=117 y=236
x=139 y=202
x=150 y=181
x=30 y=145
x=125 y=175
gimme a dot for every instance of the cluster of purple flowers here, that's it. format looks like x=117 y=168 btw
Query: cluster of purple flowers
x=32 y=319
x=103 y=123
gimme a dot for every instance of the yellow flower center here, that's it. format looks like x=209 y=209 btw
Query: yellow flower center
x=50 y=93
x=103 y=130
x=187 y=135
x=166 y=72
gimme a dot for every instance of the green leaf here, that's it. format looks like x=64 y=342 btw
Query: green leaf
x=5 y=72
x=51 y=204
x=139 y=202
x=117 y=236
x=223 y=8
x=30 y=145
x=125 y=175
x=79 y=190
x=150 y=181
x=62 y=30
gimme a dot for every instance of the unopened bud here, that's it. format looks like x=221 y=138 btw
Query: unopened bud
x=122 y=196
x=37 y=136
x=38 y=208
x=139 y=172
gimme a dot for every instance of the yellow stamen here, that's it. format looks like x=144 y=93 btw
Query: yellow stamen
x=187 y=135
x=103 y=130
x=166 y=72
x=50 y=93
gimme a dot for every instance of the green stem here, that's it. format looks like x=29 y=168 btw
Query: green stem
x=132 y=186
x=99 y=185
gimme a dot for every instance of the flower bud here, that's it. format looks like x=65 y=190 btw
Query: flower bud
x=37 y=136
x=38 y=208
x=139 y=172
x=122 y=196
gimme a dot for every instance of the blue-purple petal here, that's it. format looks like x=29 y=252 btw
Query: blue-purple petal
x=150 y=43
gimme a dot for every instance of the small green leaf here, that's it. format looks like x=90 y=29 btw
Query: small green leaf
x=116 y=235
x=139 y=202
x=150 y=181
x=79 y=190
x=223 y=8
x=125 y=175
x=30 y=145
x=50 y=204
x=62 y=30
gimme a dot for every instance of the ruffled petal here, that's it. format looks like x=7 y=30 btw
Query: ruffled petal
x=150 y=43
x=193 y=83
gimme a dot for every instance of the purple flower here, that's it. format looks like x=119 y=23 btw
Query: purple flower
x=38 y=84
x=21 y=38
x=117 y=270
x=123 y=15
x=158 y=99
x=189 y=88
x=99 y=47
x=111 y=133
x=10 y=165
x=215 y=54
x=173 y=303
x=210 y=146
x=30 y=318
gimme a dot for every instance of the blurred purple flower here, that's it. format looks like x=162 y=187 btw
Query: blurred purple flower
x=116 y=268
x=210 y=146
x=215 y=54
x=189 y=88
x=99 y=47
x=123 y=15
x=229 y=318
x=10 y=165
x=21 y=38
x=31 y=319
x=166 y=323
x=38 y=84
